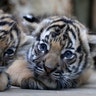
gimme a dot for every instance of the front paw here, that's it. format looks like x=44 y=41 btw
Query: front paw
x=31 y=83
x=5 y=82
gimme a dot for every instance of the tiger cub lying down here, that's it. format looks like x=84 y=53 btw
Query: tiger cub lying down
x=59 y=58
x=13 y=42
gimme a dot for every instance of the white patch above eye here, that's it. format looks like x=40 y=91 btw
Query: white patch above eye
x=45 y=24
x=43 y=35
x=29 y=52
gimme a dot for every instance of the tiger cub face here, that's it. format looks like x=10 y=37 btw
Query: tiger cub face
x=9 y=37
x=61 y=52
x=8 y=45
x=13 y=45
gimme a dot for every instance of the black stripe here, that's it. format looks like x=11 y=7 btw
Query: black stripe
x=64 y=20
x=68 y=21
x=79 y=63
x=18 y=33
x=11 y=36
x=70 y=29
x=69 y=45
x=38 y=38
x=4 y=31
x=2 y=23
x=60 y=26
x=38 y=35
x=16 y=30
x=58 y=20
x=85 y=64
x=73 y=33
x=44 y=40
x=79 y=49
x=4 y=17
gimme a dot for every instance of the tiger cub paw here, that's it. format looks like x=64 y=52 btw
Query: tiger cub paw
x=28 y=83
x=5 y=82
x=31 y=83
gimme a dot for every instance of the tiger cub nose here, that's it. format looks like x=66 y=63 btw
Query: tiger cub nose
x=47 y=69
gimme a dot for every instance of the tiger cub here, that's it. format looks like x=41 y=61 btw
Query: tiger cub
x=60 y=57
x=13 y=43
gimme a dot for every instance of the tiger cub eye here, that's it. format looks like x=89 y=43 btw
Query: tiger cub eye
x=9 y=52
x=42 y=47
x=67 y=54
x=69 y=57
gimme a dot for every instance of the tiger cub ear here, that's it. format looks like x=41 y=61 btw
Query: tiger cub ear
x=92 y=38
x=92 y=43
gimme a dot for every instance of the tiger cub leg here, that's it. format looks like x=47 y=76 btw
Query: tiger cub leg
x=21 y=76
x=31 y=83
x=5 y=81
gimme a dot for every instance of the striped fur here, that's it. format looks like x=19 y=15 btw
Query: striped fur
x=60 y=57
x=13 y=43
x=9 y=38
x=9 y=41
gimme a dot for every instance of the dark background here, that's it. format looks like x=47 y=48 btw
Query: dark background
x=83 y=10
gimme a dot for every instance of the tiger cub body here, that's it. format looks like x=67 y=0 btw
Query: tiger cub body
x=60 y=57
x=12 y=49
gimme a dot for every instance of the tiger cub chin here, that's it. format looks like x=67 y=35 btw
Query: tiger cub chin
x=59 y=58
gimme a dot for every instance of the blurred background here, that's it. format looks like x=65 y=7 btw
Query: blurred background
x=83 y=10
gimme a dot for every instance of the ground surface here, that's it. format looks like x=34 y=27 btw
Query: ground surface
x=87 y=90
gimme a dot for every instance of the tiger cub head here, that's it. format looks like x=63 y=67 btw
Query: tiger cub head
x=61 y=49
x=10 y=35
